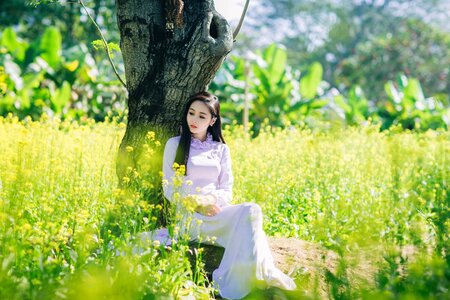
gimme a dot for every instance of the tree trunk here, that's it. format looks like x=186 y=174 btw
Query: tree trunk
x=166 y=60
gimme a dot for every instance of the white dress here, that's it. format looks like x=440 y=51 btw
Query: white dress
x=247 y=260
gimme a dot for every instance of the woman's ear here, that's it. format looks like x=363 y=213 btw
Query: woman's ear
x=213 y=120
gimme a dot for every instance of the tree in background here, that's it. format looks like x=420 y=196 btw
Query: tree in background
x=417 y=50
x=333 y=33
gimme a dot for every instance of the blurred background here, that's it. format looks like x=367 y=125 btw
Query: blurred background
x=317 y=63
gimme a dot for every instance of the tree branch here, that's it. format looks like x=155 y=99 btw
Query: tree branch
x=108 y=51
x=238 y=28
x=221 y=41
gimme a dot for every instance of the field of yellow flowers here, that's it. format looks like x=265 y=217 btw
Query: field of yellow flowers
x=356 y=190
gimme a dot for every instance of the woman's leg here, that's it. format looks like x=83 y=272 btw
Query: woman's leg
x=247 y=260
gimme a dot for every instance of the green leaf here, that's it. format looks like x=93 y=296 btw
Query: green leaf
x=37 y=2
x=114 y=46
x=286 y=89
x=239 y=68
x=7 y=103
x=356 y=96
x=24 y=96
x=263 y=77
x=100 y=45
x=402 y=81
x=32 y=80
x=303 y=109
x=9 y=39
x=14 y=46
x=310 y=82
x=61 y=96
x=51 y=46
x=295 y=106
x=269 y=52
x=413 y=90
x=339 y=100
x=358 y=103
x=317 y=104
x=276 y=62
x=392 y=92
x=229 y=107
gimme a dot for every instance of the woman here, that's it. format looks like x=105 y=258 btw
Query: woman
x=247 y=260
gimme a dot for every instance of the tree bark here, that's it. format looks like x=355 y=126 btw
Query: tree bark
x=165 y=63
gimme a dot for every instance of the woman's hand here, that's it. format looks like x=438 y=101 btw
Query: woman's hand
x=208 y=210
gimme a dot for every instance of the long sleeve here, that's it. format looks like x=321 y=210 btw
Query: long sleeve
x=170 y=151
x=208 y=171
x=224 y=191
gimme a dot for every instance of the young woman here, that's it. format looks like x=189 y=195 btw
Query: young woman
x=247 y=261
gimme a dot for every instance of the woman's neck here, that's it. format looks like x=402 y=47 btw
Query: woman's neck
x=200 y=136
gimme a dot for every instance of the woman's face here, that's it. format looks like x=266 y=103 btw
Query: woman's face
x=199 y=118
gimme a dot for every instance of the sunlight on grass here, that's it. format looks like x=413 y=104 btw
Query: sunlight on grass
x=62 y=216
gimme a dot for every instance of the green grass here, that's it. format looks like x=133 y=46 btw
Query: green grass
x=365 y=194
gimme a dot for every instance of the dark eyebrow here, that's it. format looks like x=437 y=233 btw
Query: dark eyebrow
x=194 y=110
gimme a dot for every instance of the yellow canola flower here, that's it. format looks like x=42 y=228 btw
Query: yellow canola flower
x=143 y=204
x=181 y=170
x=3 y=87
x=129 y=149
x=26 y=227
x=319 y=174
x=177 y=181
x=151 y=135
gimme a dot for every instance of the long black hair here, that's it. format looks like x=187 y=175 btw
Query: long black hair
x=212 y=102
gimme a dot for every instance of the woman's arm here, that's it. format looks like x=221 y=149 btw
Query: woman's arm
x=224 y=191
x=170 y=151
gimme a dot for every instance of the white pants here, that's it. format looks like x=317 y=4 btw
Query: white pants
x=247 y=261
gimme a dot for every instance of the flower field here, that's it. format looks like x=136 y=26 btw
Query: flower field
x=365 y=194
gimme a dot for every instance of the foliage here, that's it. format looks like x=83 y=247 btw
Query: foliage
x=229 y=85
x=406 y=105
x=355 y=107
x=424 y=278
x=357 y=190
x=66 y=229
x=36 y=78
x=278 y=93
x=363 y=43
x=415 y=49
x=283 y=97
x=32 y=17
x=42 y=76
